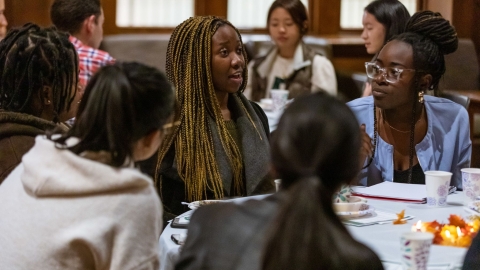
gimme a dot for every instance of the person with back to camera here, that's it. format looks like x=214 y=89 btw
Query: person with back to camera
x=382 y=20
x=39 y=68
x=76 y=201
x=83 y=20
x=412 y=133
x=290 y=61
x=220 y=146
x=315 y=150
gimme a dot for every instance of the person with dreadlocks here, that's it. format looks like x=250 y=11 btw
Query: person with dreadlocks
x=76 y=201
x=39 y=69
x=220 y=146
x=412 y=132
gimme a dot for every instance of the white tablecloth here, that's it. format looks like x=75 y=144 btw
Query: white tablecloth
x=383 y=239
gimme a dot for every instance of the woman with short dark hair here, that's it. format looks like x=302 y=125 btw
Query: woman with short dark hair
x=290 y=63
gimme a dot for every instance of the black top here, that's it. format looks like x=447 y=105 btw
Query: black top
x=418 y=177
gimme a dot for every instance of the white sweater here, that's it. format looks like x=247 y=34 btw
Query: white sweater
x=62 y=211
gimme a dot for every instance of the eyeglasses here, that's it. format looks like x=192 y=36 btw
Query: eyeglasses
x=391 y=75
x=167 y=128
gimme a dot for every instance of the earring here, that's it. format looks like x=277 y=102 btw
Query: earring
x=420 y=96
x=48 y=101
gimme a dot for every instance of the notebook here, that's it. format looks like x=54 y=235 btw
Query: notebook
x=394 y=191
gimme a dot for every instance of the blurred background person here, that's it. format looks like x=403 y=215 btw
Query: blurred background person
x=315 y=150
x=30 y=105
x=3 y=20
x=76 y=198
x=382 y=19
x=220 y=146
x=290 y=62
x=83 y=20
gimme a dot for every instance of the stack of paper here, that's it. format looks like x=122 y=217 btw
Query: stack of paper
x=394 y=191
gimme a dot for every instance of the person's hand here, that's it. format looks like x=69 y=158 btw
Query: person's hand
x=366 y=149
x=368 y=90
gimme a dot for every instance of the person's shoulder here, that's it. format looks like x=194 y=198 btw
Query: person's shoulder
x=361 y=103
x=444 y=107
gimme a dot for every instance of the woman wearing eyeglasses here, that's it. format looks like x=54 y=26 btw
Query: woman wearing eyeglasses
x=404 y=132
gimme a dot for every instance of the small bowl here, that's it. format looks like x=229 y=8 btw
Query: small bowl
x=354 y=204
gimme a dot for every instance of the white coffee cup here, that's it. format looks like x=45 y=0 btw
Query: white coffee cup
x=470 y=184
x=279 y=99
x=437 y=184
x=415 y=249
x=278 y=182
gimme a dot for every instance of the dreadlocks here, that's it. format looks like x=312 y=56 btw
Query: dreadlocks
x=30 y=58
x=188 y=67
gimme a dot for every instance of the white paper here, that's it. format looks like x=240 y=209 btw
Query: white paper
x=375 y=218
x=394 y=190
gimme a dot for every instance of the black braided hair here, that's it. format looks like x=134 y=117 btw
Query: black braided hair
x=431 y=37
x=32 y=57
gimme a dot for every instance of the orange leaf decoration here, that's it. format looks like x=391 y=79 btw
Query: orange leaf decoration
x=457 y=221
x=400 y=219
x=433 y=226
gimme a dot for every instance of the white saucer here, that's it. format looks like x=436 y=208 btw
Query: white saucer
x=355 y=214
x=196 y=204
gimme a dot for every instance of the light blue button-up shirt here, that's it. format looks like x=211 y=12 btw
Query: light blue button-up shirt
x=445 y=147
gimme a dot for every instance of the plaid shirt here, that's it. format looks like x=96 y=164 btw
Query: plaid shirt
x=90 y=60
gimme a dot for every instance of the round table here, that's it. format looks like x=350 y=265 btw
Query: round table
x=383 y=239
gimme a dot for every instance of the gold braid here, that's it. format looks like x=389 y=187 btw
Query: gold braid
x=188 y=67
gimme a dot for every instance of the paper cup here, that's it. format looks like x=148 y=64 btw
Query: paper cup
x=437 y=184
x=279 y=99
x=470 y=184
x=278 y=182
x=415 y=248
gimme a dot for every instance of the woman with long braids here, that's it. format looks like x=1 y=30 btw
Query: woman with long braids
x=412 y=132
x=39 y=71
x=314 y=150
x=220 y=146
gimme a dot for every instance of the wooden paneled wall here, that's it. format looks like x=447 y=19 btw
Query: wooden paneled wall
x=348 y=52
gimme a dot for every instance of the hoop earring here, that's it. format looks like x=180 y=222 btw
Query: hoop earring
x=420 y=96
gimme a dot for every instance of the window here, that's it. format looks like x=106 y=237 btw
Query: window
x=351 y=11
x=250 y=13
x=153 y=13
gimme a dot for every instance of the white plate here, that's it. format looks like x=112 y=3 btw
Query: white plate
x=196 y=204
x=355 y=214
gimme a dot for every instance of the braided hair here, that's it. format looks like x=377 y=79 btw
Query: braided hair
x=431 y=37
x=188 y=67
x=30 y=58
